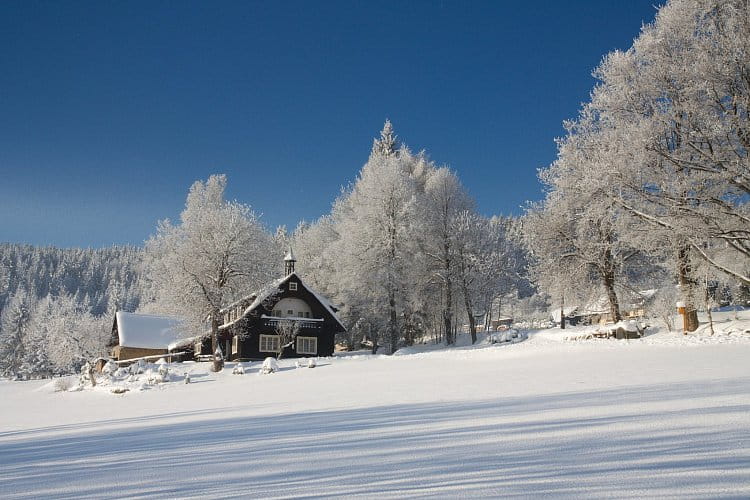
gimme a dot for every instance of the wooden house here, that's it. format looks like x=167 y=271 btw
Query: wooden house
x=249 y=328
x=138 y=335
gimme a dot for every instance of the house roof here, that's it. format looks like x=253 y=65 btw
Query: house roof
x=147 y=331
x=256 y=299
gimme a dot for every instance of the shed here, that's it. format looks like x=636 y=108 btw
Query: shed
x=139 y=335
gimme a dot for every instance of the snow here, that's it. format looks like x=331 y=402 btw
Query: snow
x=147 y=331
x=661 y=416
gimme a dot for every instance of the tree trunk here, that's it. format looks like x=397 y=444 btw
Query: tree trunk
x=614 y=305
x=687 y=285
x=707 y=301
x=472 y=322
x=393 y=320
x=469 y=309
x=562 y=312
x=214 y=330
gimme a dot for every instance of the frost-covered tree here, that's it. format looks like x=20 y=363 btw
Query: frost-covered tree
x=444 y=199
x=670 y=124
x=14 y=321
x=387 y=145
x=375 y=220
x=489 y=263
x=218 y=252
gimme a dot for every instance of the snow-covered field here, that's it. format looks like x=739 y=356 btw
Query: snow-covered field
x=664 y=416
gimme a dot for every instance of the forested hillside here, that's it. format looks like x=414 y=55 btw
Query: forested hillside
x=56 y=304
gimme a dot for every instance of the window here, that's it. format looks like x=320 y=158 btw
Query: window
x=292 y=286
x=276 y=313
x=269 y=343
x=307 y=345
x=290 y=312
x=235 y=345
x=307 y=314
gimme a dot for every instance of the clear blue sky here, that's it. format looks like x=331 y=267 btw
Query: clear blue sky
x=110 y=110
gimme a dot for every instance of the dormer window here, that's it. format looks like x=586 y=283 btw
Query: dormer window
x=292 y=286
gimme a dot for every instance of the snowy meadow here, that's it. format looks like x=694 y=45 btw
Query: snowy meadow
x=665 y=415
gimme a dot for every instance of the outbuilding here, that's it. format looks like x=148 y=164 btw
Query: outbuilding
x=139 y=335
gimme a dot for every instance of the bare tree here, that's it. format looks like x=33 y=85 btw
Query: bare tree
x=287 y=330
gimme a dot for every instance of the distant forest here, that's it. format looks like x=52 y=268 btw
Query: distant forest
x=61 y=302
x=98 y=279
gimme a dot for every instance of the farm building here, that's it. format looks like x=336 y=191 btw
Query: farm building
x=138 y=335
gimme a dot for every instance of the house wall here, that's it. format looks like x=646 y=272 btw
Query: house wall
x=121 y=353
x=252 y=326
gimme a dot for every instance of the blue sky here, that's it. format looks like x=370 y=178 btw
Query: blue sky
x=110 y=110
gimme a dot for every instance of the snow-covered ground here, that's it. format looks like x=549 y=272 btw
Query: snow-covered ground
x=663 y=416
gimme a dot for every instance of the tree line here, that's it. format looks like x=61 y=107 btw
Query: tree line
x=652 y=181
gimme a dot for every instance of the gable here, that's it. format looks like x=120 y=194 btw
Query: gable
x=290 y=286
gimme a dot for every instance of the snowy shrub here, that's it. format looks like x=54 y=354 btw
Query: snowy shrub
x=270 y=365
x=110 y=368
x=138 y=367
x=311 y=363
x=63 y=384
x=238 y=369
x=218 y=362
x=163 y=372
x=187 y=377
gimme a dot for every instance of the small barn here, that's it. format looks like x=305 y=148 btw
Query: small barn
x=251 y=326
x=138 y=335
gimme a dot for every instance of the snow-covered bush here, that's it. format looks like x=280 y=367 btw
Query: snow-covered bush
x=110 y=368
x=163 y=372
x=311 y=363
x=63 y=384
x=218 y=362
x=270 y=365
x=238 y=369
x=87 y=374
x=138 y=367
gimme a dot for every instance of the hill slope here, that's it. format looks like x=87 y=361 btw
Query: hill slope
x=661 y=416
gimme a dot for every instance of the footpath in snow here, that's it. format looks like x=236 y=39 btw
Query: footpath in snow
x=665 y=415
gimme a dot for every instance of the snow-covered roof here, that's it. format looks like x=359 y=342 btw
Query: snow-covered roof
x=147 y=331
x=555 y=313
x=273 y=288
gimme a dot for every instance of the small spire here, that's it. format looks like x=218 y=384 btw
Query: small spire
x=289 y=261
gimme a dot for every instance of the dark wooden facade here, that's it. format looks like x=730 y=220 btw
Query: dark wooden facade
x=249 y=325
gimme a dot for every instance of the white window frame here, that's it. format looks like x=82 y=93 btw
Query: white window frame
x=235 y=344
x=301 y=341
x=292 y=286
x=269 y=341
